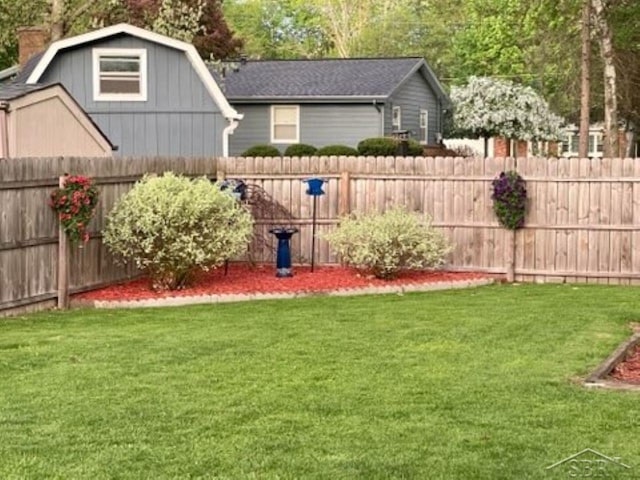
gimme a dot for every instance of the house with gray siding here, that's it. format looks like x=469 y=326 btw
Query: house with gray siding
x=150 y=94
x=333 y=101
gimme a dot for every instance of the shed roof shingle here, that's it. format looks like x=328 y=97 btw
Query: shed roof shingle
x=352 y=77
x=11 y=91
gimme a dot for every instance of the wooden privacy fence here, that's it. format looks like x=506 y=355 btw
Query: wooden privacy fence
x=583 y=220
x=29 y=229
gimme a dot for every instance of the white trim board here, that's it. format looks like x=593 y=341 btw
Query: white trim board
x=193 y=56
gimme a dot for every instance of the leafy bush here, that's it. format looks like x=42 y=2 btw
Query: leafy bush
x=388 y=146
x=509 y=199
x=386 y=243
x=171 y=227
x=300 y=150
x=414 y=149
x=378 y=146
x=261 y=151
x=337 y=150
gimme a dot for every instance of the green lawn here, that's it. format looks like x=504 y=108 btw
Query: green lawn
x=468 y=384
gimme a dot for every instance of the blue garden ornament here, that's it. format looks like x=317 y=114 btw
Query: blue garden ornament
x=314 y=186
x=315 y=190
x=283 y=256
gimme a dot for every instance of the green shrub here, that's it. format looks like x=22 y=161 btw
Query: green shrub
x=378 y=146
x=261 y=151
x=336 y=150
x=385 y=243
x=387 y=146
x=171 y=227
x=414 y=148
x=300 y=150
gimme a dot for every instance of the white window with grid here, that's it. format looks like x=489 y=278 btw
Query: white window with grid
x=119 y=74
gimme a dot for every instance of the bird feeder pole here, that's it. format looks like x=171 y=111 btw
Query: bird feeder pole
x=315 y=190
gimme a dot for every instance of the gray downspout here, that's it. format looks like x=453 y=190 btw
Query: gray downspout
x=4 y=130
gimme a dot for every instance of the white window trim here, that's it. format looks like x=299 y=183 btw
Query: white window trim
x=119 y=97
x=397 y=126
x=425 y=128
x=273 y=125
x=597 y=136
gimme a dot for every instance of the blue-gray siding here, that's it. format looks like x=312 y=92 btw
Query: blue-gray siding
x=414 y=95
x=178 y=118
x=320 y=125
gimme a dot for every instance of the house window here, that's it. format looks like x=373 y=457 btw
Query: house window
x=396 y=118
x=572 y=140
x=119 y=74
x=285 y=124
x=424 y=126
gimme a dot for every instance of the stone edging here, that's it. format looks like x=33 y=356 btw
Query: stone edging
x=227 y=298
x=598 y=378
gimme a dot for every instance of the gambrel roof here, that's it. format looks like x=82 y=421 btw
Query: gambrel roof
x=37 y=65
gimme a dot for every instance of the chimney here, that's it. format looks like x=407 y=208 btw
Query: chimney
x=31 y=40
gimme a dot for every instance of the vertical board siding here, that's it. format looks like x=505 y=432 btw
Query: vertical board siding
x=29 y=231
x=178 y=118
x=583 y=218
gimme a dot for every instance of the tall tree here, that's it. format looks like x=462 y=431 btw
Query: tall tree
x=200 y=22
x=585 y=80
x=277 y=28
x=605 y=39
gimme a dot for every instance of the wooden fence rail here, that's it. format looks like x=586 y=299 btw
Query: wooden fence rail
x=583 y=221
x=29 y=229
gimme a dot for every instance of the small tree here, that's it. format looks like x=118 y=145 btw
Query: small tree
x=171 y=227
x=488 y=107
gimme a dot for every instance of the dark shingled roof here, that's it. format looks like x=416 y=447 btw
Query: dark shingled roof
x=11 y=91
x=28 y=67
x=351 y=77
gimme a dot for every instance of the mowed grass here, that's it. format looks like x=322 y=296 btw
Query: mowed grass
x=469 y=384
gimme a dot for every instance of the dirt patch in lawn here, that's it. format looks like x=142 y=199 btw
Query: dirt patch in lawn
x=243 y=279
x=621 y=369
x=628 y=370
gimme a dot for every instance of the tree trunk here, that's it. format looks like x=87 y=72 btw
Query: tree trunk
x=57 y=20
x=585 y=80
x=630 y=151
x=611 y=149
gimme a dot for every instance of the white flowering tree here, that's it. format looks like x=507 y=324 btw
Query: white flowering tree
x=487 y=107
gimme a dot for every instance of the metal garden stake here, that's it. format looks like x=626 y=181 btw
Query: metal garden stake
x=314 y=189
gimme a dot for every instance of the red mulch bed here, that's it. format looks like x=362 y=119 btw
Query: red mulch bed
x=629 y=369
x=242 y=278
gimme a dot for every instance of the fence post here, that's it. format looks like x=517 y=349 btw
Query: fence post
x=63 y=260
x=344 y=195
x=511 y=255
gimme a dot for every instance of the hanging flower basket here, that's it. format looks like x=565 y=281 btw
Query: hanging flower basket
x=75 y=204
x=510 y=199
